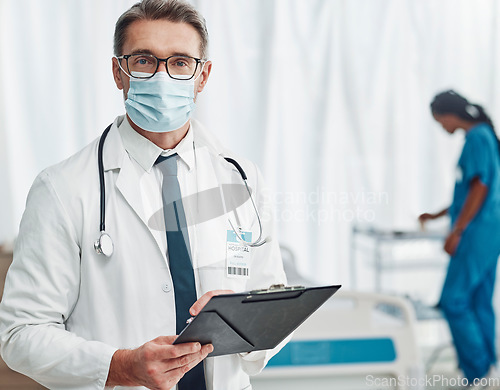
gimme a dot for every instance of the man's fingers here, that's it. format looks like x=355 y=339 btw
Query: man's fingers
x=206 y=349
x=178 y=372
x=166 y=340
x=190 y=360
x=200 y=356
x=200 y=303
x=179 y=350
x=185 y=360
x=158 y=364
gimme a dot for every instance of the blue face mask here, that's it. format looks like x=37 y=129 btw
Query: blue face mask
x=160 y=104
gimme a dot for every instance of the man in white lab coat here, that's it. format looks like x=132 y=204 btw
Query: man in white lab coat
x=72 y=318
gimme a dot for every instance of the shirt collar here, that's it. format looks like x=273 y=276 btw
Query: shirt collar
x=146 y=152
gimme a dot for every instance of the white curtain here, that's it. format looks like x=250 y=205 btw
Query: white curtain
x=56 y=89
x=329 y=97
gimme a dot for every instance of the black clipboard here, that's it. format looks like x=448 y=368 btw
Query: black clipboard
x=255 y=320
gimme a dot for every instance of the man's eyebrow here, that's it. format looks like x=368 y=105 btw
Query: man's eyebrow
x=183 y=54
x=142 y=51
x=147 y=51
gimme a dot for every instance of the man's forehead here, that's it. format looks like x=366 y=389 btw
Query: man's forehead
x=162 y=38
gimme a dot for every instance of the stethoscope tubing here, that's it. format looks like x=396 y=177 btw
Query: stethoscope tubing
x=102 y=185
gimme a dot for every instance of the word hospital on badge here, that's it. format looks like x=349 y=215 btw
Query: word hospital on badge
x=238 y=255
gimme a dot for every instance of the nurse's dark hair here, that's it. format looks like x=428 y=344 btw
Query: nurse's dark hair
x=450 y=102
x=176 y=11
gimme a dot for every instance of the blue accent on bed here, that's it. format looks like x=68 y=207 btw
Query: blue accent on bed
x=325 y=352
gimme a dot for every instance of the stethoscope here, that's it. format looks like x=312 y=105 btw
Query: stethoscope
x=104 y=244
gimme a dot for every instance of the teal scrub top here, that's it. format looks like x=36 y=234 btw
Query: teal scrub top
x=480 y=158
x=479 y=247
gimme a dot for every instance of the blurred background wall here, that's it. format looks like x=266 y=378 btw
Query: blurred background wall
x=329 y=97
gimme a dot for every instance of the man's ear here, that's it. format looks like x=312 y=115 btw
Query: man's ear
x=205 y=73
x=117 y=73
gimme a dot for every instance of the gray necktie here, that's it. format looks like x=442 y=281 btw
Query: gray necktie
x=179 y=256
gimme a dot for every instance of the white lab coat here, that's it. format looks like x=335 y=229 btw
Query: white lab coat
x=66 y=309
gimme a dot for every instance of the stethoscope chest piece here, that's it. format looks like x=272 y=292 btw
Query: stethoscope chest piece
x=104 y=245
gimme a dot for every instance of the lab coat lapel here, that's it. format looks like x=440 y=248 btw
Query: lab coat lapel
x=116 y=157
x=127 y=184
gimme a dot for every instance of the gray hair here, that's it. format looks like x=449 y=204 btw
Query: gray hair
x=176 y=11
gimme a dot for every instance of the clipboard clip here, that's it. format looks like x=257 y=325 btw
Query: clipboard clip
x=277 y=288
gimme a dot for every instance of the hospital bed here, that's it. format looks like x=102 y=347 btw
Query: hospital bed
x=395 y=251
x=355 y=341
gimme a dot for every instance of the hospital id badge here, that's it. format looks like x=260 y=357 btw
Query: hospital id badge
x=238 y=255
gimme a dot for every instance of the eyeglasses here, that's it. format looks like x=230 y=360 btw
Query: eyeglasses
x=144 y=66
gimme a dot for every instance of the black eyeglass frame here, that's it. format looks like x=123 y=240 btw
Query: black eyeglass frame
x=158 y=61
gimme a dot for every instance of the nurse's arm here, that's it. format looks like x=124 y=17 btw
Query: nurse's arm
x=475 y=199
x=426 y=216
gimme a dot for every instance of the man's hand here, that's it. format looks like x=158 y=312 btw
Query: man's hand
x=157 y=365
x=200 y=303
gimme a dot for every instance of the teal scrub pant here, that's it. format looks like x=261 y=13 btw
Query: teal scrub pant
x=467 y=305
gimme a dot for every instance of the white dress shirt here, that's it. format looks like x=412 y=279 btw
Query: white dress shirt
x=143 y=154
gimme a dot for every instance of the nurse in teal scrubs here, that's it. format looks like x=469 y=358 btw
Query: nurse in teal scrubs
x=474 y=238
